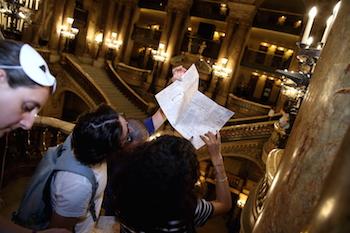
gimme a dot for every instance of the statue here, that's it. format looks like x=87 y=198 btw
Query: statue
x=202 y=47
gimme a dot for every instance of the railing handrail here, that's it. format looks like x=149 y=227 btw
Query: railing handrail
x=241 y=131
x=249 y=102
x=252 y=119
x=64 y=126
x=117 y=80
x=134 y=68
x=91 y=82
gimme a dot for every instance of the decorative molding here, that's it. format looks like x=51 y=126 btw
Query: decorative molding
x=180 y=5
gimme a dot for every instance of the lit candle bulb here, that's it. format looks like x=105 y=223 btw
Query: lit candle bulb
x=328 y=29
x=336 y=9
x=309 y=41
x=312 y=14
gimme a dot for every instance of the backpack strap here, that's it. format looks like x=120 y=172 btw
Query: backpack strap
x=68 y=162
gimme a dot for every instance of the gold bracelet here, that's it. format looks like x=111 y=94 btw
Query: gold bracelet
x=221 y=180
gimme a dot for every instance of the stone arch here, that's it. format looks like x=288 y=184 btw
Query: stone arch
x=72 y=105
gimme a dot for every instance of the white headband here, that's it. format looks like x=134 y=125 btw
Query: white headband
x=34 y=66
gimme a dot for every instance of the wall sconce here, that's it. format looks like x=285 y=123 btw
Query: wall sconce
x=67 y=30
x=159 y=54
x=99 y=37
x=112 y=42
x=220 y=70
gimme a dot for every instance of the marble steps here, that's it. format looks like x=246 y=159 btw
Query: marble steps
x=115 y=96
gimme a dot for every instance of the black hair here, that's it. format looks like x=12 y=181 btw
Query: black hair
x=154 y=185
x=9 y=56
x=96 y=135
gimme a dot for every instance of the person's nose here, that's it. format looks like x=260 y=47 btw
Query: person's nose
x=28 y=120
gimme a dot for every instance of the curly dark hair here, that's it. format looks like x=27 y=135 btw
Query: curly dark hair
x=154 y=185
x=96 y=135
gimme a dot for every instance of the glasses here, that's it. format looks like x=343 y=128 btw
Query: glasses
x=129 y=138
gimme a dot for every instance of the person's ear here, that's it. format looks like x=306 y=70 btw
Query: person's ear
x=3 y=77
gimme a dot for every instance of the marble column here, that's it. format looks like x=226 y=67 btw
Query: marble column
x=244 y=14
x=126 y=26
x=179 y=12
x=57 y=23
x=82 y=44
x=93 y=26
x=107 y=21
x=229 y=31
x=130 y=42
x=311 y=177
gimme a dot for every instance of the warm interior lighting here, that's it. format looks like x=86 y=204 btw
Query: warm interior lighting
x=242 y=200
x=112 y=42
x=70 y=20
x=336 y=8
x=99 y=37
x=280 y=48
x=159 y=54
x=313 y=12
x=309 y=41
x=155 y=27
x=67 y=30
x=223 y=8
x=216 y=36
x=282 y=20
x=297 y=24
x=189 y=29
x=220 y=70
x=264 y=44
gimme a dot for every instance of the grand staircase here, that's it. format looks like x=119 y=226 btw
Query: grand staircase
x=113 y=94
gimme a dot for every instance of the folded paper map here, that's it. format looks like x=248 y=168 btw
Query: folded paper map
x=190 y=112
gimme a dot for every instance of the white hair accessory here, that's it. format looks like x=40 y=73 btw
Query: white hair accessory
x=34 y=66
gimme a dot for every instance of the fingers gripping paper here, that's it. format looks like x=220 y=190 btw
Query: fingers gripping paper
x=189 y=111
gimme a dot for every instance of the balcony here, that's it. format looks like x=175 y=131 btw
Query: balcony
x=146 y=36
x=264 y=61
x=153 y=4
x=278 y=21
x=192 y=44
x=209 y=10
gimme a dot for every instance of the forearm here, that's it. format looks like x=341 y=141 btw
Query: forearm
x=223 y=201
x=158 y=119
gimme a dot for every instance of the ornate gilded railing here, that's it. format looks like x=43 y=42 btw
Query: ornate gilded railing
x=134 y=76
x=20 y=150
x=247 y=131
x=253 y=119
x=246 y=108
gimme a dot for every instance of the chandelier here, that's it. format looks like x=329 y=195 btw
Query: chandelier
x=14 y=13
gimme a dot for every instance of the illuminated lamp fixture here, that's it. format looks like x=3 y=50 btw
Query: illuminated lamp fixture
x=14 y=13
x=112 y=42
x=220 y=70
x=67 y=30
x=242 y=200
x=223 y=8
x=159 y=54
